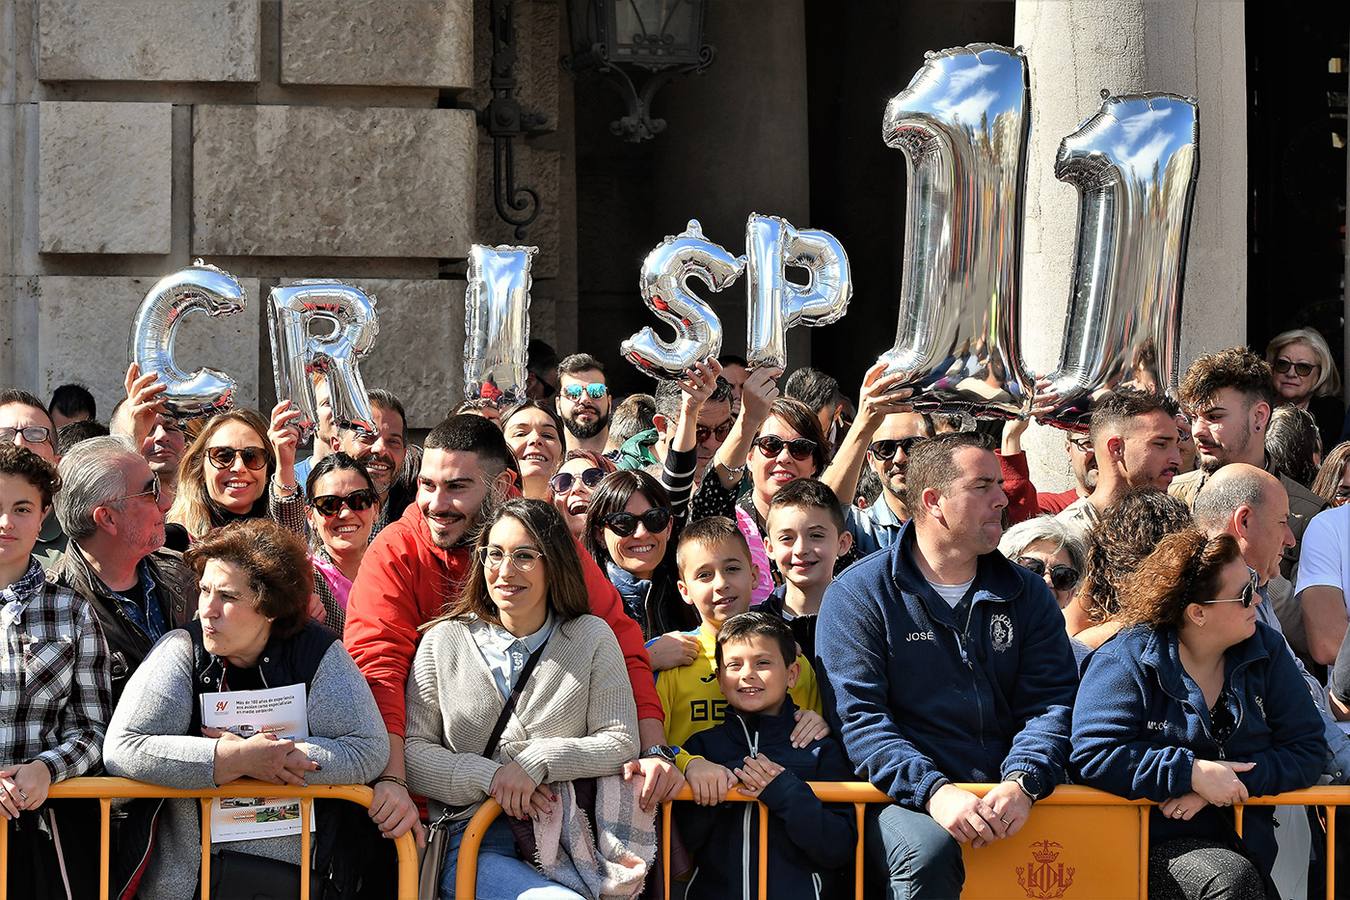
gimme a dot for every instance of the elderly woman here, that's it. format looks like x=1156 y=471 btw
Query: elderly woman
x=1306 y=376
x=1049 y=548
x=520 y=629
x=54 y=686
x=343 y=506
x=572 y=485
x=253 y=632
x=1196 y=705
x=534 y=432
x=240 y=467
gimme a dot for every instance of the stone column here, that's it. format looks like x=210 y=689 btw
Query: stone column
x=1188 y=47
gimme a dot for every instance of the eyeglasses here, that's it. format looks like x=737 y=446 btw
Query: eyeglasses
x=1081 y=443
x=772 y=445
x=151 y=491
x=330 y=505
x=1061 y=577
x=702 y=433
x=886 y=449
x=625 y=524
x=564 y=481
x=1248 y=594
x=595 y=390
x=254 y=458
x=33 y=434
x=522 y=559
x=1342 y=495
x=1302 y=370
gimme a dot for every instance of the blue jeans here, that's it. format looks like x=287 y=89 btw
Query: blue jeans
x=914 y=855
x=502 y=874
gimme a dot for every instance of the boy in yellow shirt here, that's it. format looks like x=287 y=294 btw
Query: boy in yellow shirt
x=717 y=578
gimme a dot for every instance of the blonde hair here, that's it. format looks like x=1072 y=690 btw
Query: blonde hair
x=193 y=507
x=1329 y=377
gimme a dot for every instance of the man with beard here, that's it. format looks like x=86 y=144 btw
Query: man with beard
x=1134 y=440
x=1230 y=398
x=384 y=454
x=418 y=563
x=878 y=526
x=584 y=402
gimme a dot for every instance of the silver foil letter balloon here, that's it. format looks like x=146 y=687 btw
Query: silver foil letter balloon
x=773 y=303
x=1135 y=164
x=962 y=124
x=198 y=288
x=497 y=321
x=664 y=287
x=301 y=358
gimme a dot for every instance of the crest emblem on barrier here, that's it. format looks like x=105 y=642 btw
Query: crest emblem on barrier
x=1044 y=877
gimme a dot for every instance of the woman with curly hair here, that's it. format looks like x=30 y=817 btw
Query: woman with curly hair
x=1128 y=531
x=1196 y=705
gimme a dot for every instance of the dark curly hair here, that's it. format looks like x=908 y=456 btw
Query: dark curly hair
x=1128 y=532
x=1237 y=368
x=20 y=461
x=1183 y=569
x=276 y=563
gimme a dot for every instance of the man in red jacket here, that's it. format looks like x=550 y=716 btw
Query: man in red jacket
x=413 y=568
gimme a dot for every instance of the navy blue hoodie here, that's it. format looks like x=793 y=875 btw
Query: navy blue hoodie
x=808 y=840
x=1141 y=722
x=921 y=699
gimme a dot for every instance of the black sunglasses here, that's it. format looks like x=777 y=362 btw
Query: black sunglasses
x=1302 y=370
x=330 y=505
x=772 y=445
x=886 y=449
x=254 y=458
x=1062 y=577
x=625 y=524
x=1248 y=595
x=702 y=433
x=563 y=481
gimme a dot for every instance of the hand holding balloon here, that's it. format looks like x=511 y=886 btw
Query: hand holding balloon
x=145 y=403
x=284 y=434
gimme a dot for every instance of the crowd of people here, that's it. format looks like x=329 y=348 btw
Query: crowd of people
x=574 y=604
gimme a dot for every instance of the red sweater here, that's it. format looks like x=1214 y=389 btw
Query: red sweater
x=405 y=580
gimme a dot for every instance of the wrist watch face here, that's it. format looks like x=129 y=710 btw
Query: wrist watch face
x=660 y=751
x=1029 y=783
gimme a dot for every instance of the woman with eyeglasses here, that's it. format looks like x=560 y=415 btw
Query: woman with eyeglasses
x=534 y=431
x=571 y=487
x=1196 y=705
x=241 y=467
x=519 y=631
x=1333 y=477
x=343 y=506
x=1305 y=375
x=1049 y=549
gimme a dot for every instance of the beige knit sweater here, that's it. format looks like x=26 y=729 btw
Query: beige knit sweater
x=575 y=718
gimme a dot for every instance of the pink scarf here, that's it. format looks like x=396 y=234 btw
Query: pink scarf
x=340 y=585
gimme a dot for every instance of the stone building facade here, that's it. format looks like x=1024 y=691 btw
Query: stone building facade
x=277 y=140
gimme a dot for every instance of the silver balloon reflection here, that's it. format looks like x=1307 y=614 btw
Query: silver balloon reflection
x=1135 y=164
x=773 y=302
x=962 y=124
x=198 y=288
x=301 y=358
x=497 y=321
x=664 y=286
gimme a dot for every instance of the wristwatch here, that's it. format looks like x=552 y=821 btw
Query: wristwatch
x=659 y=751
x=1030 y=784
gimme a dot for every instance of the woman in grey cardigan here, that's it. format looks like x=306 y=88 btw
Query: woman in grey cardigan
x=574 y=718
x=253 y=632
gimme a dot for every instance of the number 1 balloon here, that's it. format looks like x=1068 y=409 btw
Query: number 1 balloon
x=497 y=321
x=1135 y=164
x=962 y=125
x=774 y=303
x=664 y=286
x=198 y=288
x=300 y=358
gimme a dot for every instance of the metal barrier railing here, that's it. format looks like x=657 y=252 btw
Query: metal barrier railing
x=105 y=790
x=1128 y=826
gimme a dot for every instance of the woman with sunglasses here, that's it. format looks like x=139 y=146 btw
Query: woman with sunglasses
x=1196 y=705
x=534 y=431
x=520 y=627
x=343 y=506
x=1332 y=483
x=1305 y=375
x=241 y=467
x=1049 y=549
x=571 y=487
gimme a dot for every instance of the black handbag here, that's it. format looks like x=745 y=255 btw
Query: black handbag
x=243 y=876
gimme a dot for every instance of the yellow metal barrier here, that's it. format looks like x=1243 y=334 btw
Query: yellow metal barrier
x=105 y=790
x=1103 y=856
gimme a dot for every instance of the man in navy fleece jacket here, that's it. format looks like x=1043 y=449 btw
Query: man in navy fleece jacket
x=944 y=662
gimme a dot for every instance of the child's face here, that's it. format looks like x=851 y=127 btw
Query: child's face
x=754 y=677
x=717 y=580
x=805 y=544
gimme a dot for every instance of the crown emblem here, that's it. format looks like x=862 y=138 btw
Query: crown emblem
x=1046 y=851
